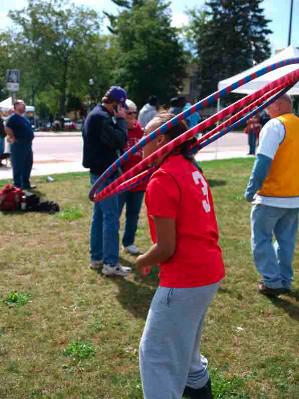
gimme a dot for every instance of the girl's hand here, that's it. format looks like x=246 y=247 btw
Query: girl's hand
x=143 y=268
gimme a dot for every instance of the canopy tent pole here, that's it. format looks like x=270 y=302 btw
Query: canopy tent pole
x=218 y=109
x=218 y=104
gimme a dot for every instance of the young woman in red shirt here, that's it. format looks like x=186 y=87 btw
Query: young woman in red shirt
x=185 y=235
x=132 y=199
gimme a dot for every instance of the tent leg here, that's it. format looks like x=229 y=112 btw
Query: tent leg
x=218 y=105
x=218 y=109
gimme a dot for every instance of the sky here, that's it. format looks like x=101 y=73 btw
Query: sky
x=278 y=11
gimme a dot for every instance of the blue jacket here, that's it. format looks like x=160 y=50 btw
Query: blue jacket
x=104 y=137
x=259 y=173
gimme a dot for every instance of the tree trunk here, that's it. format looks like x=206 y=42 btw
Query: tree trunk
x=33 y=96
x=64 y=85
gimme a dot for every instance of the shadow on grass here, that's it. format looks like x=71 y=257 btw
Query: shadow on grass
x=294 y=294
x=135 y=298
x=16 y=212
x=290 y=308
x=224 y=290
x=216 y=182
x=135 y=295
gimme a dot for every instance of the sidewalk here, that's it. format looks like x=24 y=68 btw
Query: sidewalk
x=46 y=168
x=57 y=134
x=53 y=157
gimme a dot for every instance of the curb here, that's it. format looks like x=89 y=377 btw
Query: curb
x=57 y=134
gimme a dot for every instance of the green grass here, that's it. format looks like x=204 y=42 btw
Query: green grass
x=71 y=213
x=17 y=298
x=79 y=350
x=251 y=342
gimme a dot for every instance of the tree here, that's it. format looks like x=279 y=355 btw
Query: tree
x=230 y=36
x=58 y=47
x=5 y=62
x=151 y=56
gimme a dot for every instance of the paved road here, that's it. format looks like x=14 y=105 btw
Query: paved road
x=61 y=153
x=57 y=149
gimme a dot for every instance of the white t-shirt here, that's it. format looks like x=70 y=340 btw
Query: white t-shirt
x=272 y=135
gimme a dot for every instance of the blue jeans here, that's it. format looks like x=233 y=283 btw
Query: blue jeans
x=274 y=261
x=104 y=241
x=21 y=160
x=169 y=352
x=133 y=201
x=2 y=144
x=252 y=142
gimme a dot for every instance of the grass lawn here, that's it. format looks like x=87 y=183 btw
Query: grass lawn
x=67 y=332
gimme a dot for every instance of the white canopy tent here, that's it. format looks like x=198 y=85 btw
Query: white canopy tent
x=6 y=105
x=250 y=87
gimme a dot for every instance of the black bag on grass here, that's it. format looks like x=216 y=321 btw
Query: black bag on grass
x=34 y=204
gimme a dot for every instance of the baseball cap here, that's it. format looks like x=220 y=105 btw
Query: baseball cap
x=118 y=94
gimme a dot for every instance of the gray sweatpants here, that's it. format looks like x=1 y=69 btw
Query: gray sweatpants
x=169 y=354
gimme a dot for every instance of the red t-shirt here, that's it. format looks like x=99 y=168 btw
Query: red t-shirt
x=178 y=190
x=253 y=125
x=134 y=135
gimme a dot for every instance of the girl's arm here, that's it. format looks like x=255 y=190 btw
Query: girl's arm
x=164 y=247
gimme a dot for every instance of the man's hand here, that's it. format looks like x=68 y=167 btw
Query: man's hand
x=11 y=139
x=10 y=135
x=249 y=196
x=121 y=112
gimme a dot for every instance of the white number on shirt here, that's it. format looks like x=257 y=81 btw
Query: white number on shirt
x=198 y=178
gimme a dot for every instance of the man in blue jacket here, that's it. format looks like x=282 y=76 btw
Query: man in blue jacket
x=104 y=136
x=20 y=134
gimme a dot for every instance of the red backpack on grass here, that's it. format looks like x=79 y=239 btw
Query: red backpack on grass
x=12 y=198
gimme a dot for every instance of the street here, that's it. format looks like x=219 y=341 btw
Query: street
x=62 y=152
x=57 y=149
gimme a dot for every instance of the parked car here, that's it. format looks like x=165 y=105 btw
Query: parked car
x=79 y=124
x=69 y=124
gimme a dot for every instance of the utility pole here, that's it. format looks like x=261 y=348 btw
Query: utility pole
x=290 y=24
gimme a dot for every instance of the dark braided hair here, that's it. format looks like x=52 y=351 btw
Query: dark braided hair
x=176 y=131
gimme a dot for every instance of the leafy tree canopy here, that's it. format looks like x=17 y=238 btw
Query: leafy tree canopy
x=58 y=47
x=229 y=36
x=151 y=56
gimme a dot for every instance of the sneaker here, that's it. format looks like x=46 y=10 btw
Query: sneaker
x=95 y=264
x=271 y=292
x=31 y=187
x=202 y=393
x=117 y=270
x=132 y=249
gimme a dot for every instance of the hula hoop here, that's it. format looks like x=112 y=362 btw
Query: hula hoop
x=238 y=119
x=172 y=122
x=144 y=176
x=286 y=80
x=241 y=121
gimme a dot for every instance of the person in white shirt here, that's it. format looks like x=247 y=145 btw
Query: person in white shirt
x=273 y=189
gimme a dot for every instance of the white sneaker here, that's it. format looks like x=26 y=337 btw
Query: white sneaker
x=132 y=249
x=95 y=264
x=117 y=270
